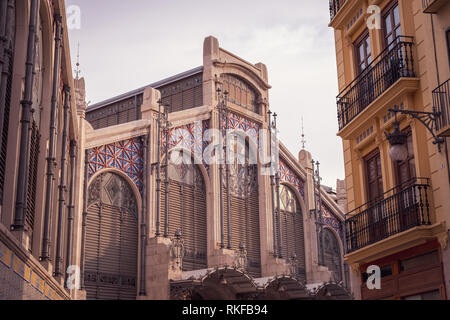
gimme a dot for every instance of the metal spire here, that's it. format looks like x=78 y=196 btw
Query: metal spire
x=303 y=141
x=77 y=70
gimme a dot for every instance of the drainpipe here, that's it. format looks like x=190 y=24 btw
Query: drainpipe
x=322 y=252
x=85 y=213
x=142 y=291
x=227 y=172
x=222 y=233
x=51 y=160
x=272 y=186
x=158 y=175
x=22 y=180
x=166 y=172
x=315 y=214
x=71 y=206
x=62 y=183
x=277 y=182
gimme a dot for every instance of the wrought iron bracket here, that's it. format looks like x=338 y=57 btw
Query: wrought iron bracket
x=428 y=119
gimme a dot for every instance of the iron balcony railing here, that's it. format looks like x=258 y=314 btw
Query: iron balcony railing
x=335 y=6
x=441 y=103
x=400 y=209
x=394 y=62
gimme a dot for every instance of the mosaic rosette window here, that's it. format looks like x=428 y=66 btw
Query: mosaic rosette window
x=288 y=176
x=126 y=156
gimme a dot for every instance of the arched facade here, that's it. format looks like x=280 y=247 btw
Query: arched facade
x=231 y=241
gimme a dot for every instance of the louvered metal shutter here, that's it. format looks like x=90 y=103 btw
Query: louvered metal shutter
x=332 y=254
x=293 y=240
x=244 y=227
x=187 y=212
x=33 y=166
x=111 y=253
x=111 y=240
x=5 y=98
x=188 y=99
x=198 y=96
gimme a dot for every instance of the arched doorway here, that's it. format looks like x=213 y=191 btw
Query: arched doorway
x=332 y=254
x=111 y=240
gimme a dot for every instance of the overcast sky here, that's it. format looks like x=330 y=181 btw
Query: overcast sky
x=125 y=45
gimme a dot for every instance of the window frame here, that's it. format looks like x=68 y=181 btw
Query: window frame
x=362 y=40
x=388 y=11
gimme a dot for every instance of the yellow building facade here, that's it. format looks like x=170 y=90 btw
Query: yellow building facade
x=393 y=61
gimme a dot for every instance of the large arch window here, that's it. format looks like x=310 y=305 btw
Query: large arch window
x=240 y=92
x=187 y=212
x=292 y=231
x=332 y=254
x=111 y=240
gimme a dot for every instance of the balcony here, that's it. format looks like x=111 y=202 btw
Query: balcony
x=433 y=6
x=335 y=6
x=441 y=103
x=393 y=63
x=398 y=210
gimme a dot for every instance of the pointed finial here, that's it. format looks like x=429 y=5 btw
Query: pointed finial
x=303 y=141
x=77 y=71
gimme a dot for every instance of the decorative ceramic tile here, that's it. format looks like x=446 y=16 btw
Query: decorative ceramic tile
x=330 y=220
x=37 y=282
x=5 y=255
x=239 y=123
x=288 y=176
x=21 y=269
x=126 y=156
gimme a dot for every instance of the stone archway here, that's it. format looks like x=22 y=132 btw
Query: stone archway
x=111 y=239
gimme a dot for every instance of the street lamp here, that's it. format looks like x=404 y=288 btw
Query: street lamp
x=397 y=140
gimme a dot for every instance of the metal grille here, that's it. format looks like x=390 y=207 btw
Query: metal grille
x=111 y=241
x=4 y=133
x=292 y=230
x=187 y=212
x=332 y=253
x=184 y=94
x=6 y=68
x=117 y=113
x=244 y=222
x=33 y=166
